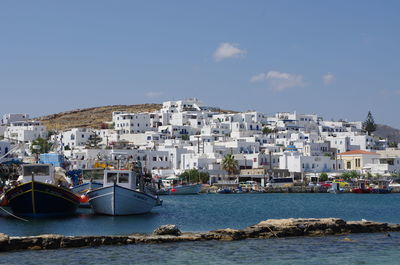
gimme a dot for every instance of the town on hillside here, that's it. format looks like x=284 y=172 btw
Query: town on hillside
x=187 y=138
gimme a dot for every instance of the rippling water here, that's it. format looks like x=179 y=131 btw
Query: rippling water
x=364 y=249
x=212 y=211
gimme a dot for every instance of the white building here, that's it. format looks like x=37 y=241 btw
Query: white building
x=9 y=118
x=25 y=131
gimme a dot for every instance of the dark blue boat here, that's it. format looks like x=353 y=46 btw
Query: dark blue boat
x=41 y=193
x=41 y=199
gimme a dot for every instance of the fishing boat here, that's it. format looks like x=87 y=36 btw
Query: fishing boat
x=174 y=186
x=383 y=187
x=42 y=190
x=120 y=195
x=361 y=187
x=185 y=189
x=335 y=188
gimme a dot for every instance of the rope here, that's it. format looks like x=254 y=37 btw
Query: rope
x=272 y=231
x=17 y=217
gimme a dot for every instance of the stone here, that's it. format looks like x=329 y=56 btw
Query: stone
x=167 y=230
x=3 y=241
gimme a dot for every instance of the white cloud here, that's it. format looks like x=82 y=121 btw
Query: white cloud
x=228 y=50
x=328 y=78
x=279 y=81
x=153 y=94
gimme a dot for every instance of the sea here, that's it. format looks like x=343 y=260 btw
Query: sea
x=206 y=212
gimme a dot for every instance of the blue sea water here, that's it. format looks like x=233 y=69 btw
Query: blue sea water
x=212 y=211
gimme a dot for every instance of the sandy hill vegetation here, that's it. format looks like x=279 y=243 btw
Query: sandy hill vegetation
x=94 y=117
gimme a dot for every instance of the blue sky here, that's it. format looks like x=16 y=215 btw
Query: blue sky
x=335 y=58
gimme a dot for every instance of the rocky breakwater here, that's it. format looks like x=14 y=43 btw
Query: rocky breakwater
x=272 y=228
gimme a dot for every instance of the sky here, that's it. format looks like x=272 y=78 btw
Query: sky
x=338 y=59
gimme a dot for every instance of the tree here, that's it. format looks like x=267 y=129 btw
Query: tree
x=369 y=124
x=323 y=176
x=267 y=130
x=40 y=146
x=229 y=164
x=93 y=141
x=350 y=175
x=195 y=176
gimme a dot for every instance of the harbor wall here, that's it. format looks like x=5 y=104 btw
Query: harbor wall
x=271 y=228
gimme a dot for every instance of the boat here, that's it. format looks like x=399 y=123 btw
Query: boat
x=361 y=187
x=383 y=187
x=82 y=189
x=42 y=190
x=120 y=196
x=224 y=191
x=335 y=188
x=174 y=186
x=185 y=189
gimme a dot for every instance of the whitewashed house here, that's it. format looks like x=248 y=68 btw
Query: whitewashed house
x=25 y=131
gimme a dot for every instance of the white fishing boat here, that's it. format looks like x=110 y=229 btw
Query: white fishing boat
x=335 y=188
x=185 y=189
x=173 y=186
x=120 y=196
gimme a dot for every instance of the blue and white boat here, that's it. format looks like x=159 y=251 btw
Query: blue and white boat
x=335 y=188
x=120 y=196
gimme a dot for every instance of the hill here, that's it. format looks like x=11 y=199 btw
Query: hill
x=96 y=117
x=91 y=117
x=386 y=131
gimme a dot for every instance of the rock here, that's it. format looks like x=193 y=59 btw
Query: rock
x=3 y=242
x=167 y=230
x=50 y=241
x=227 y=234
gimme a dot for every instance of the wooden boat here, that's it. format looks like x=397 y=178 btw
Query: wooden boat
x=120 y=196
x=362 y=187
x=382 y=188
x=41 y=192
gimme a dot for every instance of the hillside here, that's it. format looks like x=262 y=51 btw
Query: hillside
x=91 y=117
x=95 y=117
x=386 y=131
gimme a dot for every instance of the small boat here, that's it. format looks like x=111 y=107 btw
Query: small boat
x=224 y=191
x=120 y=196
x=42 y=191
x=362 y=187
x=382 y=188
x=174 y=186
x=185 y=189
x=335 y=188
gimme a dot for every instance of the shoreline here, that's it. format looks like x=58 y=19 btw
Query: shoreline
x=271 y=228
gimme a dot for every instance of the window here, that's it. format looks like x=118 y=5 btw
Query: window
x=111 y=177
x=123 y=178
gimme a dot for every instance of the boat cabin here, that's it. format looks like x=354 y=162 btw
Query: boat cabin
x=124 y=178
x=41 y=173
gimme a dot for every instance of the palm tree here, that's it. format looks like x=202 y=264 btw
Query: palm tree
x=229 y=164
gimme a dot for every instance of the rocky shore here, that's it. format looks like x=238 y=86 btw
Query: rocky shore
x=272 y=228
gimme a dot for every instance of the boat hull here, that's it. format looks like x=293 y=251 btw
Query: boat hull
x=381 y=191
x=359 y=190
x=186 y=189
x=117 y=200
x=40 y=199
